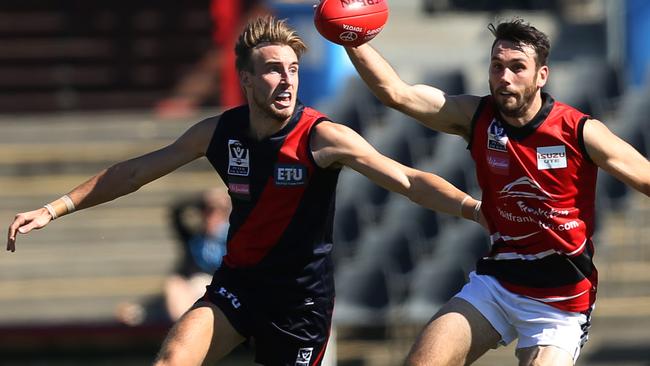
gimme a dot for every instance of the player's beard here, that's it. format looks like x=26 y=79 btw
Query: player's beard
x=523 y=101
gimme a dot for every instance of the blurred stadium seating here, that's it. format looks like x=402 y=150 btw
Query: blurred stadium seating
x=72 y=55
x=396 y=262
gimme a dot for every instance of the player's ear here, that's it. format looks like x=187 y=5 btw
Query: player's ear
x=245 y=78
x=542 y=76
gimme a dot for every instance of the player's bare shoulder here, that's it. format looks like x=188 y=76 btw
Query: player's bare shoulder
x=329 y=141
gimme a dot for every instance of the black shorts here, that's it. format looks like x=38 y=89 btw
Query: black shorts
x=293 y=334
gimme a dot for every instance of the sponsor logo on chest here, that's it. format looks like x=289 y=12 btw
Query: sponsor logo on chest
x=238 y=159
x=496 y=136
x=304 y=356
x=498 y=162
x=551 y=157
x=290 y=175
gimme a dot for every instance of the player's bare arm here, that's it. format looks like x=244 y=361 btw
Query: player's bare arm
x=616 y=156
x=118 y=180
x=335 y=145
x=427 y=104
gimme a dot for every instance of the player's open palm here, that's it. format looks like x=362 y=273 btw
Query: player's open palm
x=26 y=222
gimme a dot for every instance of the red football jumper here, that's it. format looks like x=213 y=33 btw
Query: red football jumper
x=538 y=188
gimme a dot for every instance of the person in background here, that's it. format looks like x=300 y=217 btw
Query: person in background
x=201 y=226
x=203 y=248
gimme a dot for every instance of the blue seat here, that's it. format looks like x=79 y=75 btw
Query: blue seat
x=347 y=230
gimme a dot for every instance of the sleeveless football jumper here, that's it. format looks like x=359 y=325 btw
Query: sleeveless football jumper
x=276 y=283
x=538 y=188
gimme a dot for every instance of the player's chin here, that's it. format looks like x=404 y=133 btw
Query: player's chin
x=282 y=111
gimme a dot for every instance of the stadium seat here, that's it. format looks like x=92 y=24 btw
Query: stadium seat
x=422 y=223
x=355 y=106
x=390 y=246
x=436 y=279
x=451 y=81
x=568 y=80
x=347 y=229
x=361 y=294
x=434 y=282
x=632 y=126
x=451 y=161
x=366 y=195
x=462 y=243
x=580 y=40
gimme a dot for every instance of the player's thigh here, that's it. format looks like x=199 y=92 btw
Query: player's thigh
x=543 y=356
x=202 y=333
x=457 y=335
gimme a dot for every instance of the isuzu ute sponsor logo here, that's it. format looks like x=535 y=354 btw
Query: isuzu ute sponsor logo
x=551 y=157
x=238 y=159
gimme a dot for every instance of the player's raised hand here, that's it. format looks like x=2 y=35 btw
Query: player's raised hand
x=26 y=222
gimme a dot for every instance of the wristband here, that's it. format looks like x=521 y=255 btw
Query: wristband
x=477 y=211
x=68 y=203
x=51 y=210
x=60 y=207
x=462 y=203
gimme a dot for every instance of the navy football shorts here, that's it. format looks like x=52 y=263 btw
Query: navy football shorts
x=291 y=335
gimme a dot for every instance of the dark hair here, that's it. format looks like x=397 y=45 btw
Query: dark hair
x=265 y=29
x=520 y=33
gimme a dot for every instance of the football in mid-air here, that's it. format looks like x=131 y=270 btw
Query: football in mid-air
x=350 y=22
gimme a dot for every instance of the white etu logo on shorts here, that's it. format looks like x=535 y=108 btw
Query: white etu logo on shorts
x=551 y=157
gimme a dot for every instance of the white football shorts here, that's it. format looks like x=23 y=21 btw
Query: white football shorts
x=532 y=322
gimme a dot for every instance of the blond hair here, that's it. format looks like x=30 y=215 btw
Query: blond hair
x=265 y=29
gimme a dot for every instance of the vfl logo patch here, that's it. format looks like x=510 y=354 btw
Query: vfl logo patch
x=551 y=157
x=304 y=355
x=290 y=175
x=496 y=136
x=239 y=161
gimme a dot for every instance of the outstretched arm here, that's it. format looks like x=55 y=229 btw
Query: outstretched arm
x=616 y=156
x=337 y=145
x=427 y=104
x=118 y=180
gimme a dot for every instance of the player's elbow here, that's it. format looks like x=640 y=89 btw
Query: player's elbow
x=392 y=97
